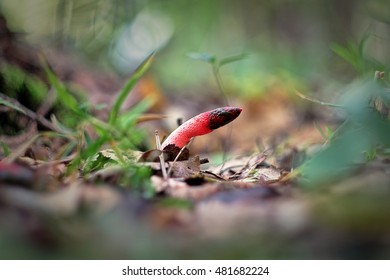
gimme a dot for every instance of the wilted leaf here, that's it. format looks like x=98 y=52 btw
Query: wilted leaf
x=178 y=169
x=184 y=169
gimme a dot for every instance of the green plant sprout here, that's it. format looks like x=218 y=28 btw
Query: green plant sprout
x=216 y=65
x=354 y=54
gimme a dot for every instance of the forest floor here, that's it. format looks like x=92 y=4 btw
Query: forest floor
x=87 y=183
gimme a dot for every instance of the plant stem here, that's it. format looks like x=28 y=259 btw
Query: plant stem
x=217 y=75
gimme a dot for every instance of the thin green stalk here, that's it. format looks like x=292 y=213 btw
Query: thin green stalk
x=218 y=79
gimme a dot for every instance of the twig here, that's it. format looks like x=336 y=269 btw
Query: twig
x=318 y=101
x=161 y=156
x=20 y=150
x=26 y=111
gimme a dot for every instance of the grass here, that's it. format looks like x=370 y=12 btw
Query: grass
x=119 y=132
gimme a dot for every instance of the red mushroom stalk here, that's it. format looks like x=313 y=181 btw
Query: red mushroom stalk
x=201 y=124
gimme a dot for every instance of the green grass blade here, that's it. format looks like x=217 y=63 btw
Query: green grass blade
x=129 y=118
x=138 y=73
x=6 y=150
x=321 y=131
x=345 y=53
x=63 y=94
x=9 y=104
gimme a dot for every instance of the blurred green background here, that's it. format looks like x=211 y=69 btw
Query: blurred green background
x=291 y=41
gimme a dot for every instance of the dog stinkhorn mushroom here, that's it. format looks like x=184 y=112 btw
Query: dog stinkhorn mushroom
x=199 y=125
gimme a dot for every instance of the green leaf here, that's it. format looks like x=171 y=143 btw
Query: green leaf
x=321 y=131
x=205 y=57
x=362 y=44
x=129 y=118
x=88 y=140
x=88 y=152
x=337 y=160
x=100 y=160
x=64 y=96
x=138 y=73
x=233 y=58
x=6 y=150
x=349 y=54
x=354 y=141
x=329 y=132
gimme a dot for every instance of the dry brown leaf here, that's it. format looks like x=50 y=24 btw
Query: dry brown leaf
x=249 y=169
x=178 y=169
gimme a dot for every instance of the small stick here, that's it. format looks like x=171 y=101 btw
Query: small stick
x=161 y=157
x=318 y=101
x=26 y=111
